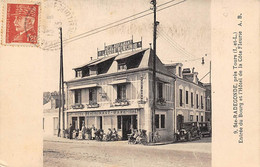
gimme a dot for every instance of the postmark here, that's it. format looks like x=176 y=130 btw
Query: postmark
x=21 y=23
x=56 y=14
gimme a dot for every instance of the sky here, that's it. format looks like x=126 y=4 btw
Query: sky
x=184 y=32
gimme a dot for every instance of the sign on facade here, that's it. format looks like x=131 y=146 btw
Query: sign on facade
x=120 y=47
x=102 y=113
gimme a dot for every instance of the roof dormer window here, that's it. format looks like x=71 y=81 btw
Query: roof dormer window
x=78 y=73
x=179 y=71
x=122 y=66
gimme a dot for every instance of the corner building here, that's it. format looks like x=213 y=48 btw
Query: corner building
x=115 y=91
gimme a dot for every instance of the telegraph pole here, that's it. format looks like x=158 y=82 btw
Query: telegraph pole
x=154 y=68
x=62 y=79
x=61 y=87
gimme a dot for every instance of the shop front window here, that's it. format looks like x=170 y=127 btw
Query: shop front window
x=160 y=121
x=157 y=121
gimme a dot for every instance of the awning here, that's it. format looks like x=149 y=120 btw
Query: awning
x=162 y=80
x=125 y=55
x=84 y=86
x=121 y=81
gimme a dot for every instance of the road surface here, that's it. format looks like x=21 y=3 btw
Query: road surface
x=60 y=152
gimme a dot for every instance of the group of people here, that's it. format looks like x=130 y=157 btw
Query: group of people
x=92 y=133
x=137 y=137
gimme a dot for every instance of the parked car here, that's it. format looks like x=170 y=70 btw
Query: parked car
x=188 y=131
x=205 y=128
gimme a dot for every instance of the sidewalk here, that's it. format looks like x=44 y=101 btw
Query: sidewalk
x=202 y=146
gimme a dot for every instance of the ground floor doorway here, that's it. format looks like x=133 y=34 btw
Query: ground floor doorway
x=74 y=123
x=129 y=122
x=180 y=120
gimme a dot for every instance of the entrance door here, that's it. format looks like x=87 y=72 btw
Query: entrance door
x=100 y=122
x=126 y=126
x=74 y=123
x=81 y=122
x=180 y=119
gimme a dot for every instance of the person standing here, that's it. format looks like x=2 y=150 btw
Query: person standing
x=70 y=131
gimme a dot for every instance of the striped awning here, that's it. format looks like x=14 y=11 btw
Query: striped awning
x=84 y=86
x=121 y=81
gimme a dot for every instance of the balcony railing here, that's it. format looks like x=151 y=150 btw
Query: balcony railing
x=121 y=102
x=77 y=106
x=93 y=104
x=161 y=101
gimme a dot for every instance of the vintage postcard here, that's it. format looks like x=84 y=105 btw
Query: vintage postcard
x=129 y=83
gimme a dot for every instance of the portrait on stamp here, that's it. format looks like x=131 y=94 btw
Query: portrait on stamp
x=22 y=23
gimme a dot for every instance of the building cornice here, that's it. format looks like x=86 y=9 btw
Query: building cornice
x=116 y=74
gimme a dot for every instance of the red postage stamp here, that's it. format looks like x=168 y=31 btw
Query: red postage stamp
x=21 y=25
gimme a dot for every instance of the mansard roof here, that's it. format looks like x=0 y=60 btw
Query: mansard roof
x=145 y=57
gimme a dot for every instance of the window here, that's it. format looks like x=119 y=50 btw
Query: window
x=201 y=102
x=122 y=66
x=201 y=119
x=180 y=71
x=157 y=120
x=208 y=104
x=180 y=97
x=77 y=96
x=134 y=118
x=197 y=118
x=160 y=90
x=197 y=100
x=121 y=92
x=119 y=120
x=191 y=98
x=160 y=121
x=93 y=95
x=79 y=73
x=55 y=123
x=187 y=97
x=191 y=117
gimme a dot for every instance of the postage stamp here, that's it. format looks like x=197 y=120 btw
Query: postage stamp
x=20 y=24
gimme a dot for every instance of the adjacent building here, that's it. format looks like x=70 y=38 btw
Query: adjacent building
x=189 y=93
x=208 y=111
x=50 y=120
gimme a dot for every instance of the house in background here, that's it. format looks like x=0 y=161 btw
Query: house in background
x=190 y=95
x=51 y=116
x=208 y=102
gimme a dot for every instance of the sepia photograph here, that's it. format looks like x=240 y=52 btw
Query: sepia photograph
x=134 y=81
x=93 y=83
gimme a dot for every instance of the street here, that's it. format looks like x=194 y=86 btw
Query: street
x=59 y=152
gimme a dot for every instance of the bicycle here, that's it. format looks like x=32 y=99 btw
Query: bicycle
x=156 y=137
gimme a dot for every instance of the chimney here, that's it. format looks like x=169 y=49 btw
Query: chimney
x=193 y=69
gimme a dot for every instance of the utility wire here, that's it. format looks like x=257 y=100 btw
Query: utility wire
x=181 y=60
x=87 y=33
x=204 y=76
x=173 y=45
